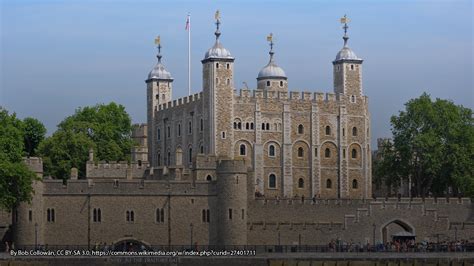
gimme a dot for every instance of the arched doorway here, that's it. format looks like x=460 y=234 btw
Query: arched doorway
x=397 y=227
x=130 y=244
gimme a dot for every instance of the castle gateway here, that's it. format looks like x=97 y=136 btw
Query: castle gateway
x=224 y=167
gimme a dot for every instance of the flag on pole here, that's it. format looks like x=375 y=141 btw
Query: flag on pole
x=188 y=25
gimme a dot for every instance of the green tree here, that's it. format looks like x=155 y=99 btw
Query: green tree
x=433 y=143
x=15 y=177
x=34 y=133
x=105 y=128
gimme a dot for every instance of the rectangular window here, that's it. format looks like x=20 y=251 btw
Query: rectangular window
x=230 y=214
x=30 y=215
x=158 y=134
x=243 y=214
x=208 y=215
x=190 y=127
x=202 y=125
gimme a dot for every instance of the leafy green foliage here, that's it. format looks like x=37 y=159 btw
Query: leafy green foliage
x=34 y=133
x=15 y=177
x=105 y=128
x=433 y=143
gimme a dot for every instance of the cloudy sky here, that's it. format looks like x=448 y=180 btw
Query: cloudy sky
x=60 y=55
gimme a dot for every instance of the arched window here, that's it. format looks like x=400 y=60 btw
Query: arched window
x=217 y=65
x=268 y=126
x=281 y=83
x=271 y=151
x=235 y=125
x=354 y=153
x=243 y=149
x=239 y=125
x=202 y=149
x=160 y=215
x=247 y=126
x=328 y=183
x=316 y=152
x=327 y=153
x=209 y=178
x=228 y=66
x=353 y=99
x=268 y=83
x=355 y=184
x=300 y=152
x=328 y=130
x=190 y=154
x=300 y=129
x=272 y=181
x=251 y=125
x=301 y=183
x=354 y=131
x=263 y=126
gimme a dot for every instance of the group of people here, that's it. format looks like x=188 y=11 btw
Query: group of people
x=402 y=245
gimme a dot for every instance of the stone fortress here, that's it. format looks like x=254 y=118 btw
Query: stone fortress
x=252 y=167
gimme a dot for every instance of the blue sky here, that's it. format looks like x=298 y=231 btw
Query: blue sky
x=60 y=55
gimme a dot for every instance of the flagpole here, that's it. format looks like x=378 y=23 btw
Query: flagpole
x=189 y=54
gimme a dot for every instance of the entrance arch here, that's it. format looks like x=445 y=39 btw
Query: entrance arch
x=130 y=244
x=387 y=229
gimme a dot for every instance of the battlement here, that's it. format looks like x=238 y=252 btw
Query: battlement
x=179 y=102
x=116 y=170
x=291 y=95
x=129 y=187
x=35 y=164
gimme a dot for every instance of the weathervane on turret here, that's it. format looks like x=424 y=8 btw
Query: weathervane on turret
x=217 y=16
x=344 y=20
x=158 y=43
x=270 y=39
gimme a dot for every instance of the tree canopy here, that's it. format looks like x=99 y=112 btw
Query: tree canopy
x=34 y=132
x=433 y=144
x=105 y=128
x=15 y=177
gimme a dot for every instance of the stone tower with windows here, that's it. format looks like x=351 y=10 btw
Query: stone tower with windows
x=347 y=69
x=218 y=68
x=159 y=91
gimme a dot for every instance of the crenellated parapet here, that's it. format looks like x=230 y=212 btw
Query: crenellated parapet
x=116 y=170
x=181 y=101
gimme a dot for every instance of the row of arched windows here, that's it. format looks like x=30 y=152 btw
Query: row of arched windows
x=300 y=152
x=272 y=182
x=178 y=129
x=247 y=126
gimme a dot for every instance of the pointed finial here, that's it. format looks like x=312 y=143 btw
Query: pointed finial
x=344 y=20
x=217 y=16
x=270 y=39
x=158 y=43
